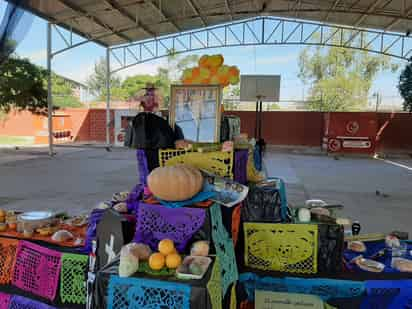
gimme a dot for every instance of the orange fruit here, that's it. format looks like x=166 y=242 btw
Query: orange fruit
x=173 y=260
x=13 y=226
x=156 y=261
x=166 y=246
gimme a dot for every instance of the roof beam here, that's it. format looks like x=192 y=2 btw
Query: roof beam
x=195 y=9
x=130 y=17
x=296 y=7
x=334 y=5
x=397 y=20
x=94 y=19
x=370 y=10
x=229 y=10
x=162 y=14
x=354 y=4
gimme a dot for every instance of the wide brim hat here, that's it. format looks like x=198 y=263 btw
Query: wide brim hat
x=149 y=86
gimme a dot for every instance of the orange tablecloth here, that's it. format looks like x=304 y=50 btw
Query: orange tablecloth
x=78 y=232
x=153 y=200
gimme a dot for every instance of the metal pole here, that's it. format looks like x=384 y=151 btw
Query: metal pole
x=108 y=97
x=378 y=101
x=49 y=89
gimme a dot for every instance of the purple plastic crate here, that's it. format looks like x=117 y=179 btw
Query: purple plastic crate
x=156 y=222
x=20 y=302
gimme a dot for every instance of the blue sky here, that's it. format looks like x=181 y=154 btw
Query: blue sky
x=78 y=63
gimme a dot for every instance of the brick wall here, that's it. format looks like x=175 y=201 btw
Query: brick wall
x=285 y=128
x=18 y=124
x=279 y=128
x=81 y=123
x=396 y=131
x=89 y=125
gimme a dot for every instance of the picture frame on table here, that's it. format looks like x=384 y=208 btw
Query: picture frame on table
x=196 y=109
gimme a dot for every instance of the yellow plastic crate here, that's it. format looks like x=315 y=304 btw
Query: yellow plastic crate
x=282 y=247
x=216 y=162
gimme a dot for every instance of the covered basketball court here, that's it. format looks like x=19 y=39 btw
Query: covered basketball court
x=136 y=31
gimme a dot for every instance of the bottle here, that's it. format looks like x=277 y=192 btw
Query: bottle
x=356 y=227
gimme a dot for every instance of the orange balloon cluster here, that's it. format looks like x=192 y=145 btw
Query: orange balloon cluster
x=211 y=71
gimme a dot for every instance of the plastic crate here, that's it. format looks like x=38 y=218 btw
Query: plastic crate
x=217 y=162
x=145 y=293
x=281 y=247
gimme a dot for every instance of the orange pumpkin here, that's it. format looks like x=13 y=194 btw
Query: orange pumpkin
x=175 y=183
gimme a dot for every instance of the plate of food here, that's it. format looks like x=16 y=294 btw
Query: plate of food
x=368 y=264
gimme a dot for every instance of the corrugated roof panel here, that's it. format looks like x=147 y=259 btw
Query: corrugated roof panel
x=160 y=17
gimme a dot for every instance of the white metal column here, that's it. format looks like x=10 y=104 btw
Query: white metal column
x=49 y=89
x=108 y=97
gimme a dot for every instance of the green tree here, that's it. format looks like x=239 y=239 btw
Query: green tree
x=273 y=106
x=22 y=86
x=7 y=49
x=132 y=84
x=405 y=86
x=339 y=78
x=163 y=82
x=175 y=64
x=97 y=80
x=165 y=76
x=62 y=91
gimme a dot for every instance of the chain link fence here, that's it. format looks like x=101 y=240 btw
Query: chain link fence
x=374 y=103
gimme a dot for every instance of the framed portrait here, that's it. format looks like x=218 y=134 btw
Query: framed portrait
x=196 y=110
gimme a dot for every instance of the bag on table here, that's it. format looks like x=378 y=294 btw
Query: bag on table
x=229 y=128
x=266 y=202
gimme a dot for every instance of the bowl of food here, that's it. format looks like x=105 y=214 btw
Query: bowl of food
x=3 y=227
x=35 y=219
x=193 y=267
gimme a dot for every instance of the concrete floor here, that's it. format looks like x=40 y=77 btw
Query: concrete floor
x=352 y=182
x=75 y=180
x=78 y=178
